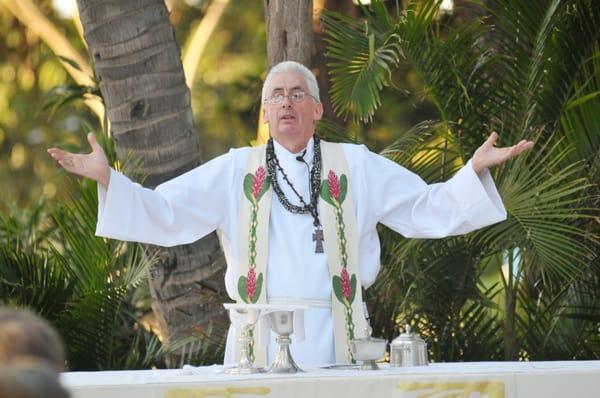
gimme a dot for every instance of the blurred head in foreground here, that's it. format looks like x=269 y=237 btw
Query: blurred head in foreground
x=30 y=379
x=25 y=336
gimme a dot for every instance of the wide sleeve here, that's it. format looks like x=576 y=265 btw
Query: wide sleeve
x=402 y=201
x=178 y=211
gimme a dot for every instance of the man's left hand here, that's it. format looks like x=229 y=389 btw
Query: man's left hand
x=487 y=155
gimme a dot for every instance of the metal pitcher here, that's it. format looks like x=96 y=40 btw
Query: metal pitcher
x=408 y=349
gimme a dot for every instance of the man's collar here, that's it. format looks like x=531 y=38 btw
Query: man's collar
x=286 y=156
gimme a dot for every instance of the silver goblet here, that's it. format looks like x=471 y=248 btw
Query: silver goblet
x=244 y=317
x=282 y=323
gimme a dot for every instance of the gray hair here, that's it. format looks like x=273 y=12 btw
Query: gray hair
x=292 y=67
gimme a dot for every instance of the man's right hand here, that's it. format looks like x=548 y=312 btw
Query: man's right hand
x=93 y=165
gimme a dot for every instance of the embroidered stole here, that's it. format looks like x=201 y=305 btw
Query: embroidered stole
x=338 y=216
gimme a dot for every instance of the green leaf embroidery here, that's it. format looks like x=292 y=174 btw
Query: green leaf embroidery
x=325 y=194
x=343 y=188
x=337 y=288
x=243 y=292
x=353 y=288
x=259 y=282
x=248 y=180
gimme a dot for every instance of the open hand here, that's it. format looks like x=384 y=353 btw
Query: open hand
x=93 y=165
x=487 y=155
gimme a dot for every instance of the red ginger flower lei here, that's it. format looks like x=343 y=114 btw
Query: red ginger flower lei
x=259 y=179
x=251 y=284
x=346 y=288
x=334 y=185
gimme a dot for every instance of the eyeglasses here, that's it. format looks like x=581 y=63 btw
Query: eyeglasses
x=295 y=97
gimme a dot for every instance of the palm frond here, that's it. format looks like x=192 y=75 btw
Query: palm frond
x=92 y=260
x=105 y=271
x=89 y=326
x=580 y=123
x=26 y=229
x=454 y=69
x=428 y=149
x=34 y=281
x=573 y=38
x=560 y=324
x=334 y=132
x=543 y=45
x=543 y=200
x=146 y=351
x=357 y=81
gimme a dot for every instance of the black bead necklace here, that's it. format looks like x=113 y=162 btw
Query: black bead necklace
x=315 y=187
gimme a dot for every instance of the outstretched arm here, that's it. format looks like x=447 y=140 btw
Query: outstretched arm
x=176 y=212
x=93 y=165
x=404 y=202
x=487 y=155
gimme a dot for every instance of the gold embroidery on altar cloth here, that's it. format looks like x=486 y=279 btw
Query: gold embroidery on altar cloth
x=479 y=389
x=226 y=392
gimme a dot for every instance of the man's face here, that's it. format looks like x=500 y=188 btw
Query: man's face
x=291 y=121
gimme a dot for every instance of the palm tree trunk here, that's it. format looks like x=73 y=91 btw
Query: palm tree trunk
x=289 y=31
x=141 y=78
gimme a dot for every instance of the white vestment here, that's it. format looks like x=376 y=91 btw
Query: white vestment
x=206 y=198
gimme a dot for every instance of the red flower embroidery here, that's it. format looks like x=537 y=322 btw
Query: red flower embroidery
x=346 y=288
x=334 y=185
x=251 y=284
x=259 y=179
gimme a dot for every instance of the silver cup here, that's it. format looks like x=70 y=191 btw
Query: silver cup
x=282 y=323
x=244 y=318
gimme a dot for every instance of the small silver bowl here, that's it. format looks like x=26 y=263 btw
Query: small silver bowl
x=368 y=351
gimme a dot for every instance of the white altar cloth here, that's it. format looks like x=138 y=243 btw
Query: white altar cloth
x=466 y=380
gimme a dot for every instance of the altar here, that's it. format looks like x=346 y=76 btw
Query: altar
x=579 y=379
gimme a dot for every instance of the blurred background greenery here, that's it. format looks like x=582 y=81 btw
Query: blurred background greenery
x=225 y=94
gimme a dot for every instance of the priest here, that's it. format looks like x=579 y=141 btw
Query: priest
x=297 y=217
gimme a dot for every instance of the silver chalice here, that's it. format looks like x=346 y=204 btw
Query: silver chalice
x=282 y=323
x=244 y=317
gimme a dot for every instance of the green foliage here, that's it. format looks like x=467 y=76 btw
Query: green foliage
x=523 y=288
x=105 y=271
x=94 y=290
x=79 y=282
x=83 y=284
x=64 y=94
x=357 y=84
x=33 y=280
x=25 y=228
